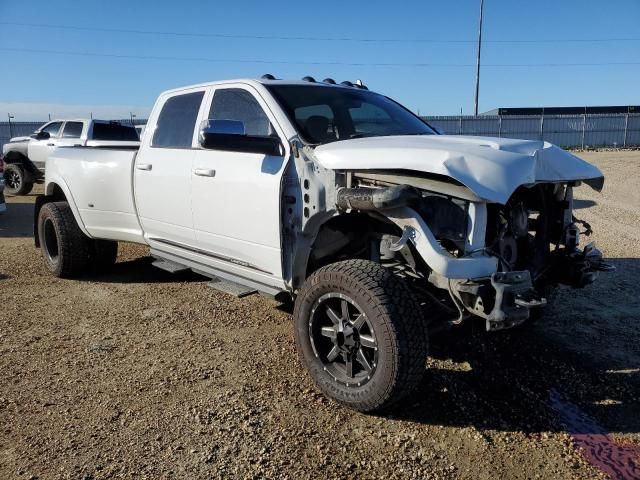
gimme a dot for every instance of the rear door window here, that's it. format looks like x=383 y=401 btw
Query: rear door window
x=177 y=121
x=72 y=130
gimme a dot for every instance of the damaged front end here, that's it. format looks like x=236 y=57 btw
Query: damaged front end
x=535 y=237
x=499 y=262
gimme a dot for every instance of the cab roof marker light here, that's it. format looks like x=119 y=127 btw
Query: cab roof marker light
x=360 y=84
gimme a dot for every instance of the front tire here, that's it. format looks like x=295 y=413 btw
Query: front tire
x=361 y=334
x=15 y=180
x=65 y=249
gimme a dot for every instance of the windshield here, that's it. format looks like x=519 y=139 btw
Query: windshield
x=325 y=114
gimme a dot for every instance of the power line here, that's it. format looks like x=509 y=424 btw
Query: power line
x=311 y=38
x=287 y=62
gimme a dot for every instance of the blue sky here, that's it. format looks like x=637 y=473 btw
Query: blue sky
x=34 y=83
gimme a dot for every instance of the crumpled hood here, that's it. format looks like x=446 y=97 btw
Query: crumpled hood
x=492 y=168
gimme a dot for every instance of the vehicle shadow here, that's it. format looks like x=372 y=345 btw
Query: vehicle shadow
x=141 y=270
x=508 y=380
x=580 y=204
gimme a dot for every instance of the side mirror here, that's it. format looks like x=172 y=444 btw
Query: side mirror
x=229 y=135
x=41 y=135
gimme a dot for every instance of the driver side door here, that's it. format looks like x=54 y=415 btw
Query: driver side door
x=236 y=194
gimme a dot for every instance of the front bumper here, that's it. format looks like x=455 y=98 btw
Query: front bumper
x=505 y=300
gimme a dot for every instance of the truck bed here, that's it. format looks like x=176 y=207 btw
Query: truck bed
x=102 y=187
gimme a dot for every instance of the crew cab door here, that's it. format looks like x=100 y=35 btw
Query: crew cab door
x=39 y=150
x=162 y=171
x=236 y=194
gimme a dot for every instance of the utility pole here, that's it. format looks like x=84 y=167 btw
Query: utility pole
x=478 y=62
x=9 y=116
x=132 y=117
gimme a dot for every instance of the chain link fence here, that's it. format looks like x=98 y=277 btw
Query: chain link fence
x=568 y=131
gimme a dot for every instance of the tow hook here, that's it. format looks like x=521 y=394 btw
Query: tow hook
x=530 y=299
x=514 y=296
x=581 y=268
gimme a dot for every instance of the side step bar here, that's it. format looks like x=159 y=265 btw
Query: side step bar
x=221 y=280
x=231 y=288
x=169 y=266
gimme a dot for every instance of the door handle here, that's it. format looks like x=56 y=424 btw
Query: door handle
x=51 y=144
x=204 y=172
x=144 y=166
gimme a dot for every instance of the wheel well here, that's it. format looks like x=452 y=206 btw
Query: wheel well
x=53 y=194
x=348 y=236
x=19 y=158
x=14 y=157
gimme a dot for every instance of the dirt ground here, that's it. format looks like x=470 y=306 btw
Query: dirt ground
x=137 y=373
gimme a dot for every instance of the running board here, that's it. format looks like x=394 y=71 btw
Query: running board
x=169 y=266
x=216 y=274
x=232 y=288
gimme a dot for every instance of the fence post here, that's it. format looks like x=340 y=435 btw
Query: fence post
x=9 y=116
x=626 y=126
x=460 y=125
x=584 y=124
x=542 y=126
x=499 y=126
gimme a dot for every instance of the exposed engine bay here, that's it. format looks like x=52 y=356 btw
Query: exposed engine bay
x=533 y=238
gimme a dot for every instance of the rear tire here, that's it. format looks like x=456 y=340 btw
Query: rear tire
x=103 y=254
x=65 y=249
x=368 y=354
x=15 y=180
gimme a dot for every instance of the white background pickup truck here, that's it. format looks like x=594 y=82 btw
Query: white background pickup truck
x=26 y=156
x=340 y=199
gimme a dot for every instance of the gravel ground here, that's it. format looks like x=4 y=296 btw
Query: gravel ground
x=138 y=373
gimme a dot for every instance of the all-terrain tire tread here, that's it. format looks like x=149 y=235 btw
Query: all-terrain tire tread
x=73 y=244
x=391 y=297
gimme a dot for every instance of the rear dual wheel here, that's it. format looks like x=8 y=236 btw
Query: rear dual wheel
x=66 y=250
x=361 y=334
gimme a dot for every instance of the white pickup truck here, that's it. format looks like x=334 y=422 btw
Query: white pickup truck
x=340 y=199
x=25 y=157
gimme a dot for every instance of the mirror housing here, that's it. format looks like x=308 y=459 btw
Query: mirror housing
x=229 y=135
x=41 y=135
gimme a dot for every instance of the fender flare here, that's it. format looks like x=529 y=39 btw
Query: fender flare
x=49 y=197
